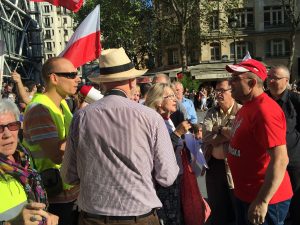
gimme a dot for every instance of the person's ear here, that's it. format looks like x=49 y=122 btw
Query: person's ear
x=252 y=82
x=132 y=83
x=53 y=78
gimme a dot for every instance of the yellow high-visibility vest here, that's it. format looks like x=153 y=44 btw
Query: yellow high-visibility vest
x=62 y=122
x=12 y=197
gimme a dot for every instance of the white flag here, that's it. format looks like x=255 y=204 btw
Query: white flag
x=247 y=56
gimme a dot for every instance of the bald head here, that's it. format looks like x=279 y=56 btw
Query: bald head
x=56 y=64
x=161 y=78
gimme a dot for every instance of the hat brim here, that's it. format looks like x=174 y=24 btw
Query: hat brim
x=236 y=68
x=133 y=73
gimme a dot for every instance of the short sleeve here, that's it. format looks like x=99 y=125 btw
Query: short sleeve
x=38 y=125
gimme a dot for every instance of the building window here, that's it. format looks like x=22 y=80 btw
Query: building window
x=46 y=9
x=277 y=48
x=241 y=49
x=245 y=18
x=48 y=34
x=47 y=21
x=66 y=32
x=274 y=16
x=49 y=56
x=215 y=51
x=173 y=56
x=65 y=20
x=49 y=46
x=214 y=21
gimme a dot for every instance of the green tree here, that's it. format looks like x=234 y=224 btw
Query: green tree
x=125 y=23
x=187 y=23
x=178 y=17
x=293 y=15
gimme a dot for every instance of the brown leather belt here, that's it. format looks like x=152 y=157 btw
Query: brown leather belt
x=106 y=218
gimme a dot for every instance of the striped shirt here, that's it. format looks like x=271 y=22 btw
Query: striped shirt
x=39 y=126
x=117 y=149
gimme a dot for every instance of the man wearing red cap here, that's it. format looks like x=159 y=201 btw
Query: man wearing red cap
x=257 y=151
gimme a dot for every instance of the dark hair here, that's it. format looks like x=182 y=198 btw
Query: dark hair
x=222 y=80
x=39 y=88
x=30 y=85
x=196 y=127
x=145 y=88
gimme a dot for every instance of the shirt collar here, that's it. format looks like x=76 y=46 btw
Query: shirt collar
x=283 y=98
x=118 y=92
x=228 y=111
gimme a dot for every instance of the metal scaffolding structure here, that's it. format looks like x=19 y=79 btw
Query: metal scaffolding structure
x=21 y=36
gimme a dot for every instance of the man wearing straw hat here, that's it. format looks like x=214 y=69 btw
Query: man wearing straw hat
x=117 y=150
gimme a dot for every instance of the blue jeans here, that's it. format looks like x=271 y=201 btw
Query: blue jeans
x=275 y=215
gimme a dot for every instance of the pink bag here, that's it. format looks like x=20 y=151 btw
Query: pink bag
x=195 y=209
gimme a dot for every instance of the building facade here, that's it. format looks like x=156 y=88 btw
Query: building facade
x=58 y=28
x=261 y=27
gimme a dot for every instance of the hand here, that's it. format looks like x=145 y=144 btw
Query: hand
x=16 y=77
x=216 y=129
x=31 y=214
x=257 y=212
x=182 y=128
x=52 y=219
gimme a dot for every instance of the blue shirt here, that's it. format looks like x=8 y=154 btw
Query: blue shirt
x=190 y=109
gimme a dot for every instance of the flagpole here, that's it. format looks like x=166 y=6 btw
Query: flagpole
x=99 y=28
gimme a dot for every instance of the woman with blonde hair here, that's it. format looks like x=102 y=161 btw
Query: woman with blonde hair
x=161 y=98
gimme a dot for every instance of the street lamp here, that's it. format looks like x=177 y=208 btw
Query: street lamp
x=233 y=25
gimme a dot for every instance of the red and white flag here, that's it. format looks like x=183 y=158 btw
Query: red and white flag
x=73 y=5
x=84 y=46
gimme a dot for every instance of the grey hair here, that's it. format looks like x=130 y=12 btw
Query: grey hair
x=260 y=82
x=7 y=106
x=177 y=83
x=284 y=68
x=161 y=75
x=155 y=95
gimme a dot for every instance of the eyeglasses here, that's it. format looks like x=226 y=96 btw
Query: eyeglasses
x=275 y=78
x=69 y=75
x=13 y=126
x=222 y=91
x=172 y=96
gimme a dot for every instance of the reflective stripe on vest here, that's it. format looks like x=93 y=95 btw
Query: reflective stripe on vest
x=62 y=122
x=13 y=198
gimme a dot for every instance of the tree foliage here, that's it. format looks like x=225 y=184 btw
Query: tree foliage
x=125 y=23
x=180 y=14
x=293 y=15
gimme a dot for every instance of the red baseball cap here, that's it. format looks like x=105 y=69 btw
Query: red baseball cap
x=250 y=65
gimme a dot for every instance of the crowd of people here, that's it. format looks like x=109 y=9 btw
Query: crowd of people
x=120 y=159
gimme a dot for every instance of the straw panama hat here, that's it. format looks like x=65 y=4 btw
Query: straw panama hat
x=115 y=65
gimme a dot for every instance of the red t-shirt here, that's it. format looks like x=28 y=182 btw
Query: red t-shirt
x=259 y=125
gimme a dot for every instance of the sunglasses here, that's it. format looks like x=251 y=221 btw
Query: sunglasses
x=69 y=75
x=13 y=126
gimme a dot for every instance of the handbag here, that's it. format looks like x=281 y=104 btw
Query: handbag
x=52 y=181
x=195 y=209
